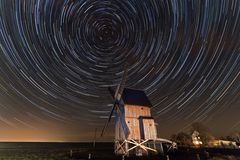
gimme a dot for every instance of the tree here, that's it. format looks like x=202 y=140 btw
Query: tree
x=237 y=137
x=204 y=132
x=182 y=139
x=234 y=137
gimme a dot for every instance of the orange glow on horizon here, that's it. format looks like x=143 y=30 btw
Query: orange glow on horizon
x=29 y=136
x=47 y=135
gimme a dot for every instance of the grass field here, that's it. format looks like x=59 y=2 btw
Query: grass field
x=221 y=157
x=103 y=151
x=28 y=155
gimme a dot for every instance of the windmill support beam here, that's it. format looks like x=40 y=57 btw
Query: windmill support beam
x=141 y=145
x=122 y=148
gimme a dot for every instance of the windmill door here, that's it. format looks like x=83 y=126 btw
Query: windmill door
x=147 y=128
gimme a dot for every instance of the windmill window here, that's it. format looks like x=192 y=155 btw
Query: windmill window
x=128 y=121
x=150 y=124
x=141 y=108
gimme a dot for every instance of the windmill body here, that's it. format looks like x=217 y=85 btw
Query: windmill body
x=134 y=124
x=136 y=116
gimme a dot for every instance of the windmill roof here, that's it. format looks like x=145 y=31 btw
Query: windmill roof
x=135 y=97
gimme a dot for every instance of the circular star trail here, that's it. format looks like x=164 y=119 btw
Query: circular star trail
x=57 y=59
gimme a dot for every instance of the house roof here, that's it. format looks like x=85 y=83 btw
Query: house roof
x=135 y=97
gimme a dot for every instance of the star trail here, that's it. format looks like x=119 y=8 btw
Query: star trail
x=58 y=57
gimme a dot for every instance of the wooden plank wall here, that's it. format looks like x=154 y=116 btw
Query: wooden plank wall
x=132 y=113
x=135 y=111
x=133 y=125
x=150 y=131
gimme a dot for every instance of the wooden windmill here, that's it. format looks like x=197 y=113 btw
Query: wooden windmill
x=135 y=129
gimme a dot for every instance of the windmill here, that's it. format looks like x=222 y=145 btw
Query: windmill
x=135 y=129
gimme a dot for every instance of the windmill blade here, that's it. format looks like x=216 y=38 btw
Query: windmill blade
x=117 y=97
x=123 y=123
x=121 y=86
x=109 y=118
x=111 y=113
x=116 y=92
x=103 y=130
x=125 y=128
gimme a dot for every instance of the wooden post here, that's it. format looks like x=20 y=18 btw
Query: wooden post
x=71 y=153
x=167 y=157
x=126 y=148
x=154 y=144
x=198 y=157
x=94 y=139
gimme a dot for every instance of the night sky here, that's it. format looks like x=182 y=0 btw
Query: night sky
x=58 y=57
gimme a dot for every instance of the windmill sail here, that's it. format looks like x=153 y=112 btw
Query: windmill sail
x=121 y=86
x=120 y=118
x=117 y=98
